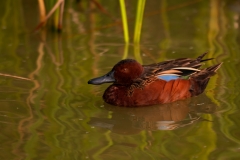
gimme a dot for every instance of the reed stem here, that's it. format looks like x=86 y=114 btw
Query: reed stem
x=124 y=20
x=138 y=22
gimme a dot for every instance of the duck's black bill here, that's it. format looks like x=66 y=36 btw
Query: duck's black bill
x=107 y=78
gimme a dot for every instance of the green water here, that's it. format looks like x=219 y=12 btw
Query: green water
x=57 y=115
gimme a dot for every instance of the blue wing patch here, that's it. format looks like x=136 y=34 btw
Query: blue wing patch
x=168 y=77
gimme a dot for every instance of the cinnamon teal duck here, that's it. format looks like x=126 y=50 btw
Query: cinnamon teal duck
x=141 y=85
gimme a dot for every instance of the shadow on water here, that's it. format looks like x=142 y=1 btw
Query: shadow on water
x=128 y=121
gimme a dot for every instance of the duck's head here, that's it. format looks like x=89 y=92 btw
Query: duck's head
x=124 y=73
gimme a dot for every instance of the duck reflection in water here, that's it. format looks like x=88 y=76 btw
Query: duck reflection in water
x=170 y=116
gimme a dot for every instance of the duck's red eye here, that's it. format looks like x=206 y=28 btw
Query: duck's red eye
x=125 y=70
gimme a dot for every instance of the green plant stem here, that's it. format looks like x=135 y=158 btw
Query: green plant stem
x=124 y=20
x=138 y=23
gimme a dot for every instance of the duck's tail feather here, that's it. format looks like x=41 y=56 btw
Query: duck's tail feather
x=215 y=67
x=200 y=80
x=200 y=58
x=196 y=63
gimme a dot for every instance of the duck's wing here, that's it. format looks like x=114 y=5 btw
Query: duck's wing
x=173 y=69
x=175 y=73
x=181 y=62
